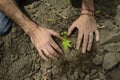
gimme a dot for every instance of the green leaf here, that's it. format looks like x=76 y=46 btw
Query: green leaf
x=64 y=33
x=66 y=44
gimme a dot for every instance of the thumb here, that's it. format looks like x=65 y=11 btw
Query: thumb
x=55 y=34
x=70 y=30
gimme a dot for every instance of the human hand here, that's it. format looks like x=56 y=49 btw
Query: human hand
x=46 y=46
x=86 y=26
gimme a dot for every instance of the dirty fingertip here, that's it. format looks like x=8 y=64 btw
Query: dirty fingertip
x=68 y=34
x=77 y=48
x=83 y=51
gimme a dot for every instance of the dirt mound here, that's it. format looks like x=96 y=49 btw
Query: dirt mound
x=19 y=59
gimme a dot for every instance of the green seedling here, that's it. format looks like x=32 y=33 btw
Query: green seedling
x=66 y=43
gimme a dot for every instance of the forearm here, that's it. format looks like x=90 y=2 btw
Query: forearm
x=10 y=8
x=88 y=4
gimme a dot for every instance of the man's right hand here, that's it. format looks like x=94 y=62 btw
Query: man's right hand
x=46 y=46
x=41 y=37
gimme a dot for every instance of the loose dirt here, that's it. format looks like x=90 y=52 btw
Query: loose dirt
x=19 y=60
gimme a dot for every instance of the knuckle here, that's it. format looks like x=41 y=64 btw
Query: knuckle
x=90 y=44
x=57 y=48
x=47 y=54
x=73 y=24
x=85 y=38
x=78 y=42
x=54 y=32
x=52 y=51
x=80 y=37
x=46 y=42
x=87 y=33
x=77 y=45
x=50 y=30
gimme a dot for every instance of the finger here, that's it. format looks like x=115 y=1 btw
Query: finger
x=85 y=41
x=90 y=42
x=52 y=52
x=79 y=39
x=47 y=53
x=55 y=34
x=55 y=46
x=42 y=55
x=97 y=35
x=70 y=30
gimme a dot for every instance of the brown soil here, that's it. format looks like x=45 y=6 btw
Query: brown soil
x=19 y=60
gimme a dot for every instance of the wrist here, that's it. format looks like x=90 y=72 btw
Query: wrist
x=30 y=28
x=88 y=12
x=88 y=7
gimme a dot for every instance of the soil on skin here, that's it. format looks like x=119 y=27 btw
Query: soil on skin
x=19 y=60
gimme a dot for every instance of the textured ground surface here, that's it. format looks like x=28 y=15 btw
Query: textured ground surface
x=19 y=59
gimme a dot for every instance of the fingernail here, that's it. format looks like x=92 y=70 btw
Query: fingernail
x=77 y=48
x=68 y=34
x=88 y=49
x=83 y=51
x=97 y=40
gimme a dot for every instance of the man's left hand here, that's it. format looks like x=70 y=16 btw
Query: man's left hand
x=86 y=26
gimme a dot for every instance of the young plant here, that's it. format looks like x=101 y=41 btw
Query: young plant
x=66 y=43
